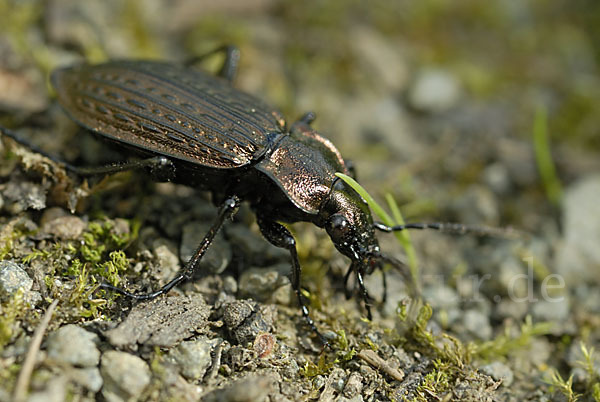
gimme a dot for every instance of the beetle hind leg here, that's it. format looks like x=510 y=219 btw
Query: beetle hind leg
x=226 y=211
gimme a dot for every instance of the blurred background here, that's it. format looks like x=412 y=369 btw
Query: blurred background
x=474 y=112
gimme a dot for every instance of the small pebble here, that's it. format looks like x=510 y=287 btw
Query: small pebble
x=579 y=255
x=546 y=310
x=219 y=254
x=58 y=223
x=87 y=377
x=24 y=195
x=478 y=205
x=246 y=319
x=262 y=284
x=478 y=324
x=249 y=388
x=499 y=371
x=254 y=248
x=193 y=357
x=12 y=278
x=353 y=385
x=73 y=345
x=125 y=376
x=434 y=90
x=166 y=259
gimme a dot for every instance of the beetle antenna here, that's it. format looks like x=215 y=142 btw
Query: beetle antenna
x=454 y=228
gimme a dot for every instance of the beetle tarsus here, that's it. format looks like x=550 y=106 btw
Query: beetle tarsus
x=364 y=293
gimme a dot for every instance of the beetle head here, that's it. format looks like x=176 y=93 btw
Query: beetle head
x=349 y=223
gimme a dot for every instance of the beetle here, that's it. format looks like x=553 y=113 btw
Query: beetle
x=197 y=129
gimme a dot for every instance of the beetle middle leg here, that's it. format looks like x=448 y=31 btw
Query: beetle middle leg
x=280 y=237
x=230 y=65
x=161 y=168
x=226 y=211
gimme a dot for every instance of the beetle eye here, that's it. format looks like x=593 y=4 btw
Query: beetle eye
x=338 y=227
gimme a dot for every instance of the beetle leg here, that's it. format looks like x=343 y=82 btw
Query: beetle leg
x=230 y=65
x=307 y=118
x=347 y=292
x=279 y=236
x=161 y=168
x=385 y=286
x=351 y=166
x=365 y=294
x=226 y=211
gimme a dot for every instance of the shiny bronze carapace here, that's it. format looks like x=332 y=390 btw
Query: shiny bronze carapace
x=217 y=138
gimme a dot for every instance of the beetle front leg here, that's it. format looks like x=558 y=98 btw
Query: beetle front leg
x=364 y=293
x=280 y=237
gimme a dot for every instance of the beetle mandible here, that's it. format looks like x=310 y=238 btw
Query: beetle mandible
x=196 y=129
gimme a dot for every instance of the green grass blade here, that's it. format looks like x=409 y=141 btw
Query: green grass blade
x=403 y=236
x=543 y=157
x=377 y=209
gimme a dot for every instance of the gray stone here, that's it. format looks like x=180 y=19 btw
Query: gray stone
x=441 y=297
x=579 y=254
x=434 y=90
x=266 y=284
x=55 y=391
x=249 y=388
x=477 y=205
x=12 y=278
x=87 y=377
x=510 y=277
x=546 y=310
x=514 y=310
x=246 y=319
x=353 y=385
x=380 y=59
x=24 y=195
x=56 y=222
x=218 y=255
x=478 y=324
x=125 y=376
x=499 y=371
x=255 y=249
x=166 y=259
x=164 y=321
x=193 y=357
x=497 y=178
x=73 y=345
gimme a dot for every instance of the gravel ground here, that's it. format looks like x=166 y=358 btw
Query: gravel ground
x=484 y=113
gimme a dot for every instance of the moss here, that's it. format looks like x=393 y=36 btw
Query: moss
x=564 y=386
x=436 y=383
x=501 y=346
x=10 y=313
x=323 y=366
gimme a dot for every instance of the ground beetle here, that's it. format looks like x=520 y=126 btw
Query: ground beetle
x=196 y=129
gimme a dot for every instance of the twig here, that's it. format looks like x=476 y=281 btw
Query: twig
x=29 y=362
x=374 y=360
